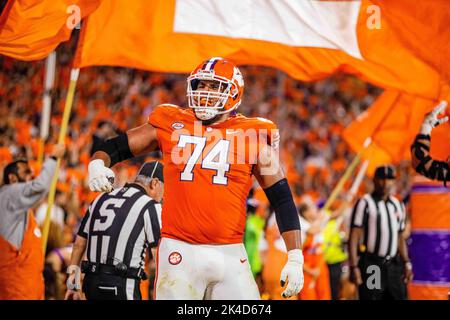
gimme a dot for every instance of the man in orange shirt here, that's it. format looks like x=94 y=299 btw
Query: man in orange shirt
x=21 y=256
x=210 y=154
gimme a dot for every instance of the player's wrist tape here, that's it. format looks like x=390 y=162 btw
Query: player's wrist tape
x=117 y=148
x=280 y=198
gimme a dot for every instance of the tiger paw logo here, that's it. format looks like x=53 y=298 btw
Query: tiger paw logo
x=175 y=258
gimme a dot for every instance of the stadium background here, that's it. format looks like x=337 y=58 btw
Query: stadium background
x=311 y=117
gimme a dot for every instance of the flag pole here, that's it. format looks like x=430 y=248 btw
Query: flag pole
x=358 y=180
x=353 y=190
x=337 y=189
x=50 y=66
x=62 y=134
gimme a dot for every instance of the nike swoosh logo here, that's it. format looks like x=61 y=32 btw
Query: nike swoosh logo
x=228 y=131
x=243 y=260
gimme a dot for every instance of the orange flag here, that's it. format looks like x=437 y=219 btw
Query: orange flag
x=392 y=122
x=413 y=47
x=307 y=39
x=424 y=29
x=31 y=29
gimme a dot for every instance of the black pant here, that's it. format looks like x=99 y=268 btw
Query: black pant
x=387 y=284
x=101 y=286
x=335 y=271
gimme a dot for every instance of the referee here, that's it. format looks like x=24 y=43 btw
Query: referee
x=377 y=236
x=116 y=230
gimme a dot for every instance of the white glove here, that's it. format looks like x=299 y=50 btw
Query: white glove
x=293 y=272
x=101 y=178
x=431 y=119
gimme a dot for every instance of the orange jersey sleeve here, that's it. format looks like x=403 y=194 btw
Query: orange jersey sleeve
x=162 y=114
x=161 y=118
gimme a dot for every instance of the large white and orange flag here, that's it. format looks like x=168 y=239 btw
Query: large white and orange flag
x=31 y=29
x=307 y=39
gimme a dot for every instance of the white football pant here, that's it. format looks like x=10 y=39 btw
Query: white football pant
x=211 y=272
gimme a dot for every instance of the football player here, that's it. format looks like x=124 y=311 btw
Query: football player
x=210 y=153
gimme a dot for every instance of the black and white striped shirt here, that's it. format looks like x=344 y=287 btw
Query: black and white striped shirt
x=382 y=222
x=120 y=225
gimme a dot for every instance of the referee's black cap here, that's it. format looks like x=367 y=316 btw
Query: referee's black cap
x=385 y=172
x=153 y=169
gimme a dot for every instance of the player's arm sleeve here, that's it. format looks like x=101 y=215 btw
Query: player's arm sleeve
x=152 y=224
x=117 y=148
x=279 y=193
x=83 y=230
x=280 y=198
x=424 y=164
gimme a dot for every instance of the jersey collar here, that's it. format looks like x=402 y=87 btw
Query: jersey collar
x=135 y=185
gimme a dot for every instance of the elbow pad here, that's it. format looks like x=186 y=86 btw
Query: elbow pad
x=280 y=198
x=117 y=148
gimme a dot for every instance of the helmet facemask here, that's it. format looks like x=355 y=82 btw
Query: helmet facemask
x=208 y=103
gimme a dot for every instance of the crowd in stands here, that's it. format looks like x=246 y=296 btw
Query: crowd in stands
x=108 y=100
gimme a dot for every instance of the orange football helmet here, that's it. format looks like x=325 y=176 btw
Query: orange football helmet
x=224 y=93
